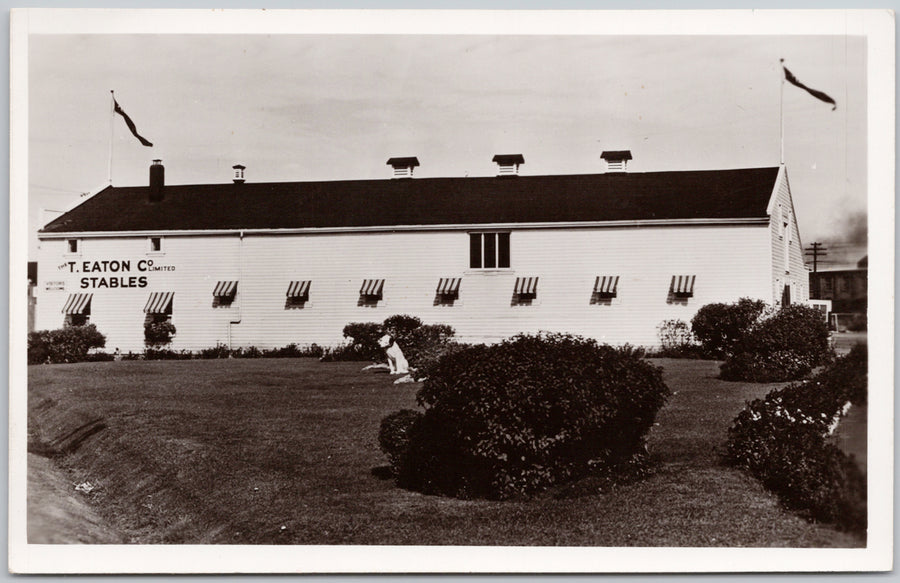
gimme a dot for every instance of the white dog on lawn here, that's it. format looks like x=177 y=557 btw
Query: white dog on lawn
x=396 y=361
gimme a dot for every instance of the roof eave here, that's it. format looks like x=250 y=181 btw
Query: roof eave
x=745 y=221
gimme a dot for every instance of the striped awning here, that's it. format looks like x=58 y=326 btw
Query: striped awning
x=526 y=286
x=371 y=287
x=298 y=289
x=77 y=304
x=159 y=303
x=448 y=286
x=683 y=285
x=225 y=289
x=605 y=285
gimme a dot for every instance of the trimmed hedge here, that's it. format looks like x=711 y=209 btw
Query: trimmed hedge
x=720 y=327
x=421 y=343
x=783 y=440
x=783 y=347
x=215 y=352
x=69 y=344
x=518 y=417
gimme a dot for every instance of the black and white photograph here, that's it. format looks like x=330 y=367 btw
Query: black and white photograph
x=451 y=291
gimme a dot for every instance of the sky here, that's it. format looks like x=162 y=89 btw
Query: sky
x=336 y=107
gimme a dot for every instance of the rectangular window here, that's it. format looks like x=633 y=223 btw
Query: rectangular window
x=503 y=250
x=155 y=244
x=72 y=245
x=489 y=250
x=475 y=250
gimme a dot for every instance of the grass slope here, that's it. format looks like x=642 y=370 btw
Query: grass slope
x=283 y=451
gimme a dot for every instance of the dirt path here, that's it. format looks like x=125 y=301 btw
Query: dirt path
x=57 y=514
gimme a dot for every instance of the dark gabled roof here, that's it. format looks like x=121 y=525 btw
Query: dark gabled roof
x=616 y=155
x=504 y=159
x=403 y=162
x=709 y=194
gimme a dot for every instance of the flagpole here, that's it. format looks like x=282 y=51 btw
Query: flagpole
x=781 y=113
x=112 y=116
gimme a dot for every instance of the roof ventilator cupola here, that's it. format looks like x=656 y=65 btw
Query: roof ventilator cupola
x=508 y=164
x=403 y=167
x=238 y=173
x=157 y=181
x=616 y=160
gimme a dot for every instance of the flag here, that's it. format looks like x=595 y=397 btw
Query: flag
x=814 y=92
x=130 y=124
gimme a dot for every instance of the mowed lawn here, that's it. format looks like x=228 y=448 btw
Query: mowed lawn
x=285 y=451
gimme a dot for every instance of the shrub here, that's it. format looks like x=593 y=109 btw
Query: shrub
x=99 y=357
x=517 y=417
x=218 y=351
x=848 y=375
x=419 y=342
x=246 y=352
x=166 y=354
x=426 y=343
x=158 y=333
x=782 y=440
x=69 y=344
x=394 y=435
x=294 y=351
x=364 y=342
x=765 y=368
x=785 y=346
x=719 y=327
x=677 y=341
x=400 y=326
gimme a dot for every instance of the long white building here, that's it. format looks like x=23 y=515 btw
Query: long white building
x=608 y=255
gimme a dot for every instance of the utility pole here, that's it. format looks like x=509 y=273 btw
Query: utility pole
x=816 y=250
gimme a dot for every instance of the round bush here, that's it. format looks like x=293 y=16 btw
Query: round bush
x=534 y=411
x=365 y=337
x=393 y=436
x=719 y=327
x=401 y=325
x=785 y=346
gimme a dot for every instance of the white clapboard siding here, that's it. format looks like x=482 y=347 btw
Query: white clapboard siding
x=729 y=262
x=199 y=262
x=796 y=274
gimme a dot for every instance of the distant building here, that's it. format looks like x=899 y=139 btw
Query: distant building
x=846 y=288
x=607 y=255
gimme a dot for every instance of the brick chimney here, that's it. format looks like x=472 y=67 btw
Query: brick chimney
x=157 y=181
